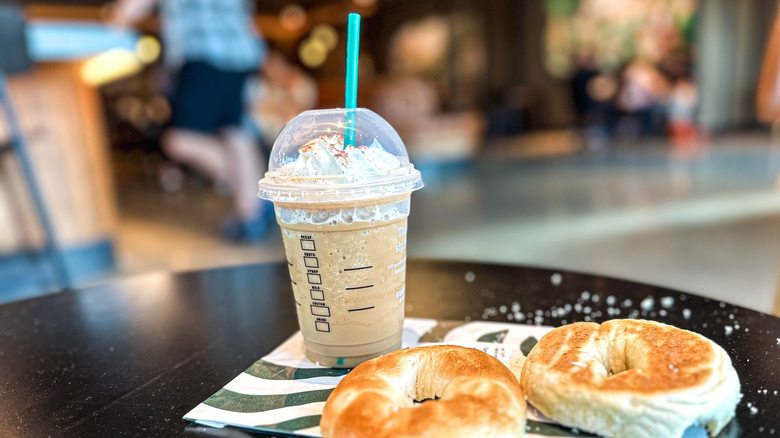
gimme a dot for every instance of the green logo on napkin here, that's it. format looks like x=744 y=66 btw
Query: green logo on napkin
x=496 y=337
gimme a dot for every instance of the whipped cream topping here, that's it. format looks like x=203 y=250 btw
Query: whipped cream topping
x=326 y=156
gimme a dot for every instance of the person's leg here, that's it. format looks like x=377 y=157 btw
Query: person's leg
x=246 y=170
x=251 y=221
x=247 y=165
x=192 y=137
x=204 y=152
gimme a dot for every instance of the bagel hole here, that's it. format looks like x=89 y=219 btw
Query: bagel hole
x=621 y=354
x=616 y=369
x=419 y=402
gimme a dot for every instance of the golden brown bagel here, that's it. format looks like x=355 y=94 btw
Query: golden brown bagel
x=631 y=378
x=477 y=397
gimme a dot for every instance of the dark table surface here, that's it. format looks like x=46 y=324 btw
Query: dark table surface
x=132 y=357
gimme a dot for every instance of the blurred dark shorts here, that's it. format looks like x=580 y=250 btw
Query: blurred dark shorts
x=207 y=99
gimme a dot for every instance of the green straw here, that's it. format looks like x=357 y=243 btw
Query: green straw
x=350 y=95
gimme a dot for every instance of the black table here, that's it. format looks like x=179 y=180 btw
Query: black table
x=131 y=357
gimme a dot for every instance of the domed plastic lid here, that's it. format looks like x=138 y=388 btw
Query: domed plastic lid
x=310 y=162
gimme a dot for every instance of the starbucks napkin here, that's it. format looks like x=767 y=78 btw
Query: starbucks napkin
x=284 y=393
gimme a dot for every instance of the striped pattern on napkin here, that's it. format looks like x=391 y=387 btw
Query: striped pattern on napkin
x=284 y=393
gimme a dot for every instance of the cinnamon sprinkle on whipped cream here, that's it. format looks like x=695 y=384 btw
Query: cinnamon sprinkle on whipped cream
x=327 y=156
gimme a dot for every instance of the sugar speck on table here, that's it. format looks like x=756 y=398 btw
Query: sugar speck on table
x=470 y=277
x=556 y=279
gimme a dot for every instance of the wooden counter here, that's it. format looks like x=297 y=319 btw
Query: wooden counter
x=63 y=120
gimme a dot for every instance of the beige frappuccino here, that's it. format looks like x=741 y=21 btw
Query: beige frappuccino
x=345 y=240
x=348 y=281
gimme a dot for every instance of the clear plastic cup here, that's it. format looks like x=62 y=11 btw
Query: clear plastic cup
x=343 y=213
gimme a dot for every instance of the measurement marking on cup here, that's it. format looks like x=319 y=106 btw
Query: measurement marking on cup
x=322 y=310
x=360 y=287
x=322 y=326
x=361 y=309
x=317 y=295
x=290 y=263
x=357 y=269
x=317 y=306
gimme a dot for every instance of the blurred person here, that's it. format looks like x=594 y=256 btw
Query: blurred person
x=212 y=46
x=413 y=106
x=593 y=106
x=282 y=92
x=641 y=91
x=584 y=71
x=681 y=110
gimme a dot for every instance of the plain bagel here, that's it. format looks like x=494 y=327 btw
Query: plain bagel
x=631 y=378
x=469 y=394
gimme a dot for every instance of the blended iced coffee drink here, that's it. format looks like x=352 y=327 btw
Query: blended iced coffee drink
x=343 y=212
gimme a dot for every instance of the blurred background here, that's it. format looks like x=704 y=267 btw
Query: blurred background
x=616 y=137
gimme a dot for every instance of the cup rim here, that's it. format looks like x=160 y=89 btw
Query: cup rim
x=296 y=189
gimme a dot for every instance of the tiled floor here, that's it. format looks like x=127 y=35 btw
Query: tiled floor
x=707 y=223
